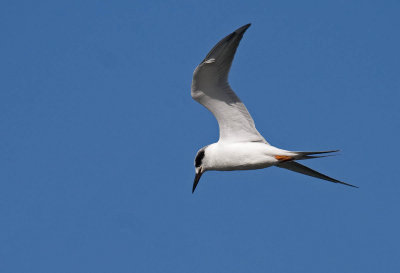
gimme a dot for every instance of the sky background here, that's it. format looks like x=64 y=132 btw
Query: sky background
x=99 y=133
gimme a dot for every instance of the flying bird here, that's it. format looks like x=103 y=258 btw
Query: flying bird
x=240 y=145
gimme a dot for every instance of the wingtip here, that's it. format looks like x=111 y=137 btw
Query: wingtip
x=341 y=182
x=347 y=184
x=297 y=167
x=338 y=181
x=242 y=29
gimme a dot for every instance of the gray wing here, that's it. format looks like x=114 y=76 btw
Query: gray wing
x=210 y=88
x=297 y=167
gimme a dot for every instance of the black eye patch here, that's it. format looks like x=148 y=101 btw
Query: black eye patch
x=199 y=158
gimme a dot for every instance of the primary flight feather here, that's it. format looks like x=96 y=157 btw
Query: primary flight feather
x=240 y=145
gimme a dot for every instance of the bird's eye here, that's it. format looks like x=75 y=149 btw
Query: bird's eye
x=199 y=158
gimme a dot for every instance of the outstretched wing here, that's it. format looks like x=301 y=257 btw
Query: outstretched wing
x=210 y=87
x=297 y=167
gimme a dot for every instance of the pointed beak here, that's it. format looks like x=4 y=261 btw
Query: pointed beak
x=197 y=179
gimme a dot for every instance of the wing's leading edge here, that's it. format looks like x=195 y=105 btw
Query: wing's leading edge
x=210 y=88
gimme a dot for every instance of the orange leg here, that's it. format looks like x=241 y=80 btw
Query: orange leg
x=283 y=158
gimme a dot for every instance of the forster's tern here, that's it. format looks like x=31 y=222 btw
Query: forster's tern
x=240 y=145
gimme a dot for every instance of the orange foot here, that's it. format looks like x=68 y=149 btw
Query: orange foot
x=283 y=157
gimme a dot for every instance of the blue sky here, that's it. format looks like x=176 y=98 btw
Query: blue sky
x=99 y=133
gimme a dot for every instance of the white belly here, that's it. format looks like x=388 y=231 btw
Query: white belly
x=241 y=156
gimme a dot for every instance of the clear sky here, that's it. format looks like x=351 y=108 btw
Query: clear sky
x=99 y=133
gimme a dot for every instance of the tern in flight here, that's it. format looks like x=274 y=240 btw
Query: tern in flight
x=240 y=145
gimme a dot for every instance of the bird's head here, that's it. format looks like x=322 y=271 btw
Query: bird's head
x=200 y=166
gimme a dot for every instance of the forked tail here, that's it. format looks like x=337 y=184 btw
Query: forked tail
x=316 y=154
x=289 y=163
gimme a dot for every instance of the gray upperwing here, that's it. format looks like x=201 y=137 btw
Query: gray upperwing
x=210 y=88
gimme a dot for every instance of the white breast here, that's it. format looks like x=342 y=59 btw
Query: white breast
x=241 y=156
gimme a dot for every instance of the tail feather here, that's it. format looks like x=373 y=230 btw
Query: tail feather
x=297 y=167
x=310 y=155
x=314 y=156
x=317 y=152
